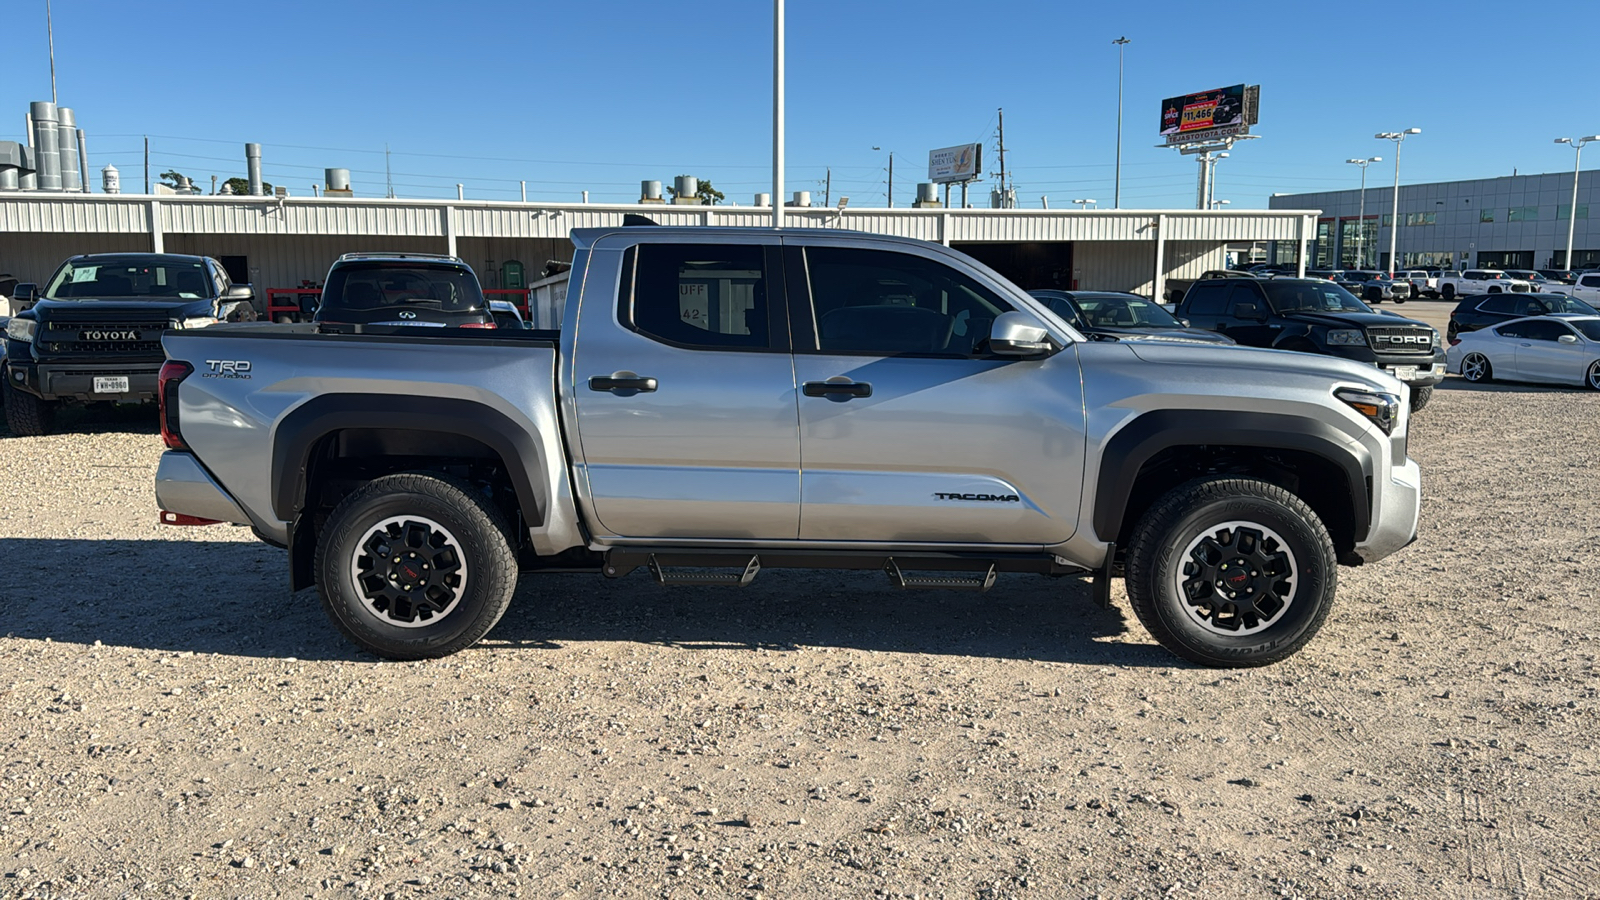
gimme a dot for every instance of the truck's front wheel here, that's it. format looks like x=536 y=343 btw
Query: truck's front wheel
x=26 y=415
x=1231 y=572
x=415 y=565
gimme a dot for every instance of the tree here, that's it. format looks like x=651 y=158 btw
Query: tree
x=174 y=179
x=242 y=186
x=707 y=194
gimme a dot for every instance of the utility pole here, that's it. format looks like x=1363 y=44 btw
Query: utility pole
x=1394 y=215
x=777 y=113
x=1572 y=214
x=827 y=190
x=388 y=179
x=50 y=30
x=891 y=179
x=147 y=164
x=1002 y=115
x=1116 y=200
x=1361 y=217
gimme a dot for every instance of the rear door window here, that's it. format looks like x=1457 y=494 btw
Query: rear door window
x=699 y=296
x=1206 y=300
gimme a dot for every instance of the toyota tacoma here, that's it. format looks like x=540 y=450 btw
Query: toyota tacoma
x=722 y=401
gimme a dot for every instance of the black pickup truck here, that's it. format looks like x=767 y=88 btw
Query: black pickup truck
x=1316 y=316
x=94 y=332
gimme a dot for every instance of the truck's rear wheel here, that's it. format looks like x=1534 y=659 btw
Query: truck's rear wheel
x=1231 y=572
x=1449 y=292
x=26 y=415
x=415 y=565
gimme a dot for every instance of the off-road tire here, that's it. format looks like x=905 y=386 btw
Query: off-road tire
x=475 y=528
x=1448 y=292
x=26 y=415
x=1420 y=397
x=1185 y=515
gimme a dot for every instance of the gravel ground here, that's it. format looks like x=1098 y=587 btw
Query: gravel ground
x=175 y=723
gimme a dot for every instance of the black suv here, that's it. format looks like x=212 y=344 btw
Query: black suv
x=94 y=332
x=1483 y=310
x=1315 y=316
x=403 y=289
x=1115 y=316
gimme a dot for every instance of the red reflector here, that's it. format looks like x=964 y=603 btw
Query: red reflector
x=172 y=373
x=480 y=325
x=172 y=518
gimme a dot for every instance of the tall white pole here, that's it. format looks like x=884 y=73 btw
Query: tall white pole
x=777 y=113
x=1361 y=223
x=1116 y=196
x=1394 y=215
x=1572 y=214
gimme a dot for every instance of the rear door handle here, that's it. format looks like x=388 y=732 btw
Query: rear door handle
x=837 y=390
x=624 y=384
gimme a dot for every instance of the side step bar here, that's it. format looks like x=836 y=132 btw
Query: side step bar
x=953 y=582
x=665 y=576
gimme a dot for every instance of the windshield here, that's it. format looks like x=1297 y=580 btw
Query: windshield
x=1111 y=311
x=130 y=277
x=1312 y=296
x=360 y=286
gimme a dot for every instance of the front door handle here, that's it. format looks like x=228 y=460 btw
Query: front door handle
x=624 y=384
x=837 y=390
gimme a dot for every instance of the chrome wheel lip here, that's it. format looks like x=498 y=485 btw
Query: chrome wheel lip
x=1473 y=367
x=1185 y=566
x=371 y=604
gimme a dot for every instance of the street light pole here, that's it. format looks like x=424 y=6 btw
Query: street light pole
x=777 y=113
x=1116 y=202
x=1361 y=217
x=1572 y=214
x=1399 y=138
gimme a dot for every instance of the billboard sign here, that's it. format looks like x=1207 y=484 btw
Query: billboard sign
x=1209 y=115
x=955 y=164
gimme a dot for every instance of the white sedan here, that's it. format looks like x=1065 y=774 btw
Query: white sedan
x=1563 y=349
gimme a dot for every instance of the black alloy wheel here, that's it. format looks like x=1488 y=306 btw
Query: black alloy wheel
x=415 y=565
x=1231 y=572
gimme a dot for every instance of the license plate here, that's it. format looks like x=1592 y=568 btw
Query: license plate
x=112 y=384
x=1405 y=373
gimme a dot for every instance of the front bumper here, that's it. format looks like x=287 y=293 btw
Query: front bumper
x=76 y=381
x=184 y=486
x=1420 y=374
x=1399 y=504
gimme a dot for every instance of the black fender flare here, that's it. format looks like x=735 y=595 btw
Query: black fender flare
x=1136 y=442
x=319 y=417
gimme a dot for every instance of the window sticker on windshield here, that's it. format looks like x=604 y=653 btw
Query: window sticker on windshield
x=86 y=273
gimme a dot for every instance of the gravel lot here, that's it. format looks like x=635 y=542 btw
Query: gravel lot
x=175 y=723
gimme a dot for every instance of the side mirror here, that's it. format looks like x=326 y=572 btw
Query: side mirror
x=1016 y=333
x=239 y=292
x=1568 y=339
x=1186 y=323
x=26 y=292
x=1250 y=311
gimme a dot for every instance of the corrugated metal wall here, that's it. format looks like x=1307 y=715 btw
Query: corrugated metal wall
x=34 y=257
x=283 y=261
x=1130 y=266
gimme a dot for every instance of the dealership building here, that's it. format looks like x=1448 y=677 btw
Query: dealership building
x=1514 y=222
x=285 y=244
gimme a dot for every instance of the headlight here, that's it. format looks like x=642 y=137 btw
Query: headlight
x=21 y=329
x=1346 y=336
x=1381 y=409
x=1437 y=341
x=198 y=321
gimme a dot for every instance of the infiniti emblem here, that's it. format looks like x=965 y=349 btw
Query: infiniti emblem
x=408 y=314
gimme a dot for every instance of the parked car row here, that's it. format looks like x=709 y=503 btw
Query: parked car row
x=1556 y=349
x=93 y=331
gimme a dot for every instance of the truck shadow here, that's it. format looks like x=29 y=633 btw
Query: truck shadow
x=232 y=598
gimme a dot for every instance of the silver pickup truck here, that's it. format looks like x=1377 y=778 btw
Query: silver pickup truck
x=723 y=401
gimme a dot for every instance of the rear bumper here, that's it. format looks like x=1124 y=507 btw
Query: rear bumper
x=184 y=486
x=1399 y=503
x=76 y=381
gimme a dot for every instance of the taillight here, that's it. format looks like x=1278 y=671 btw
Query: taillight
x=1455 y=341
x=479 y=325
x=172 y=374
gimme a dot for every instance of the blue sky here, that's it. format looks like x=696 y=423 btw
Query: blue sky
x=602 y=94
